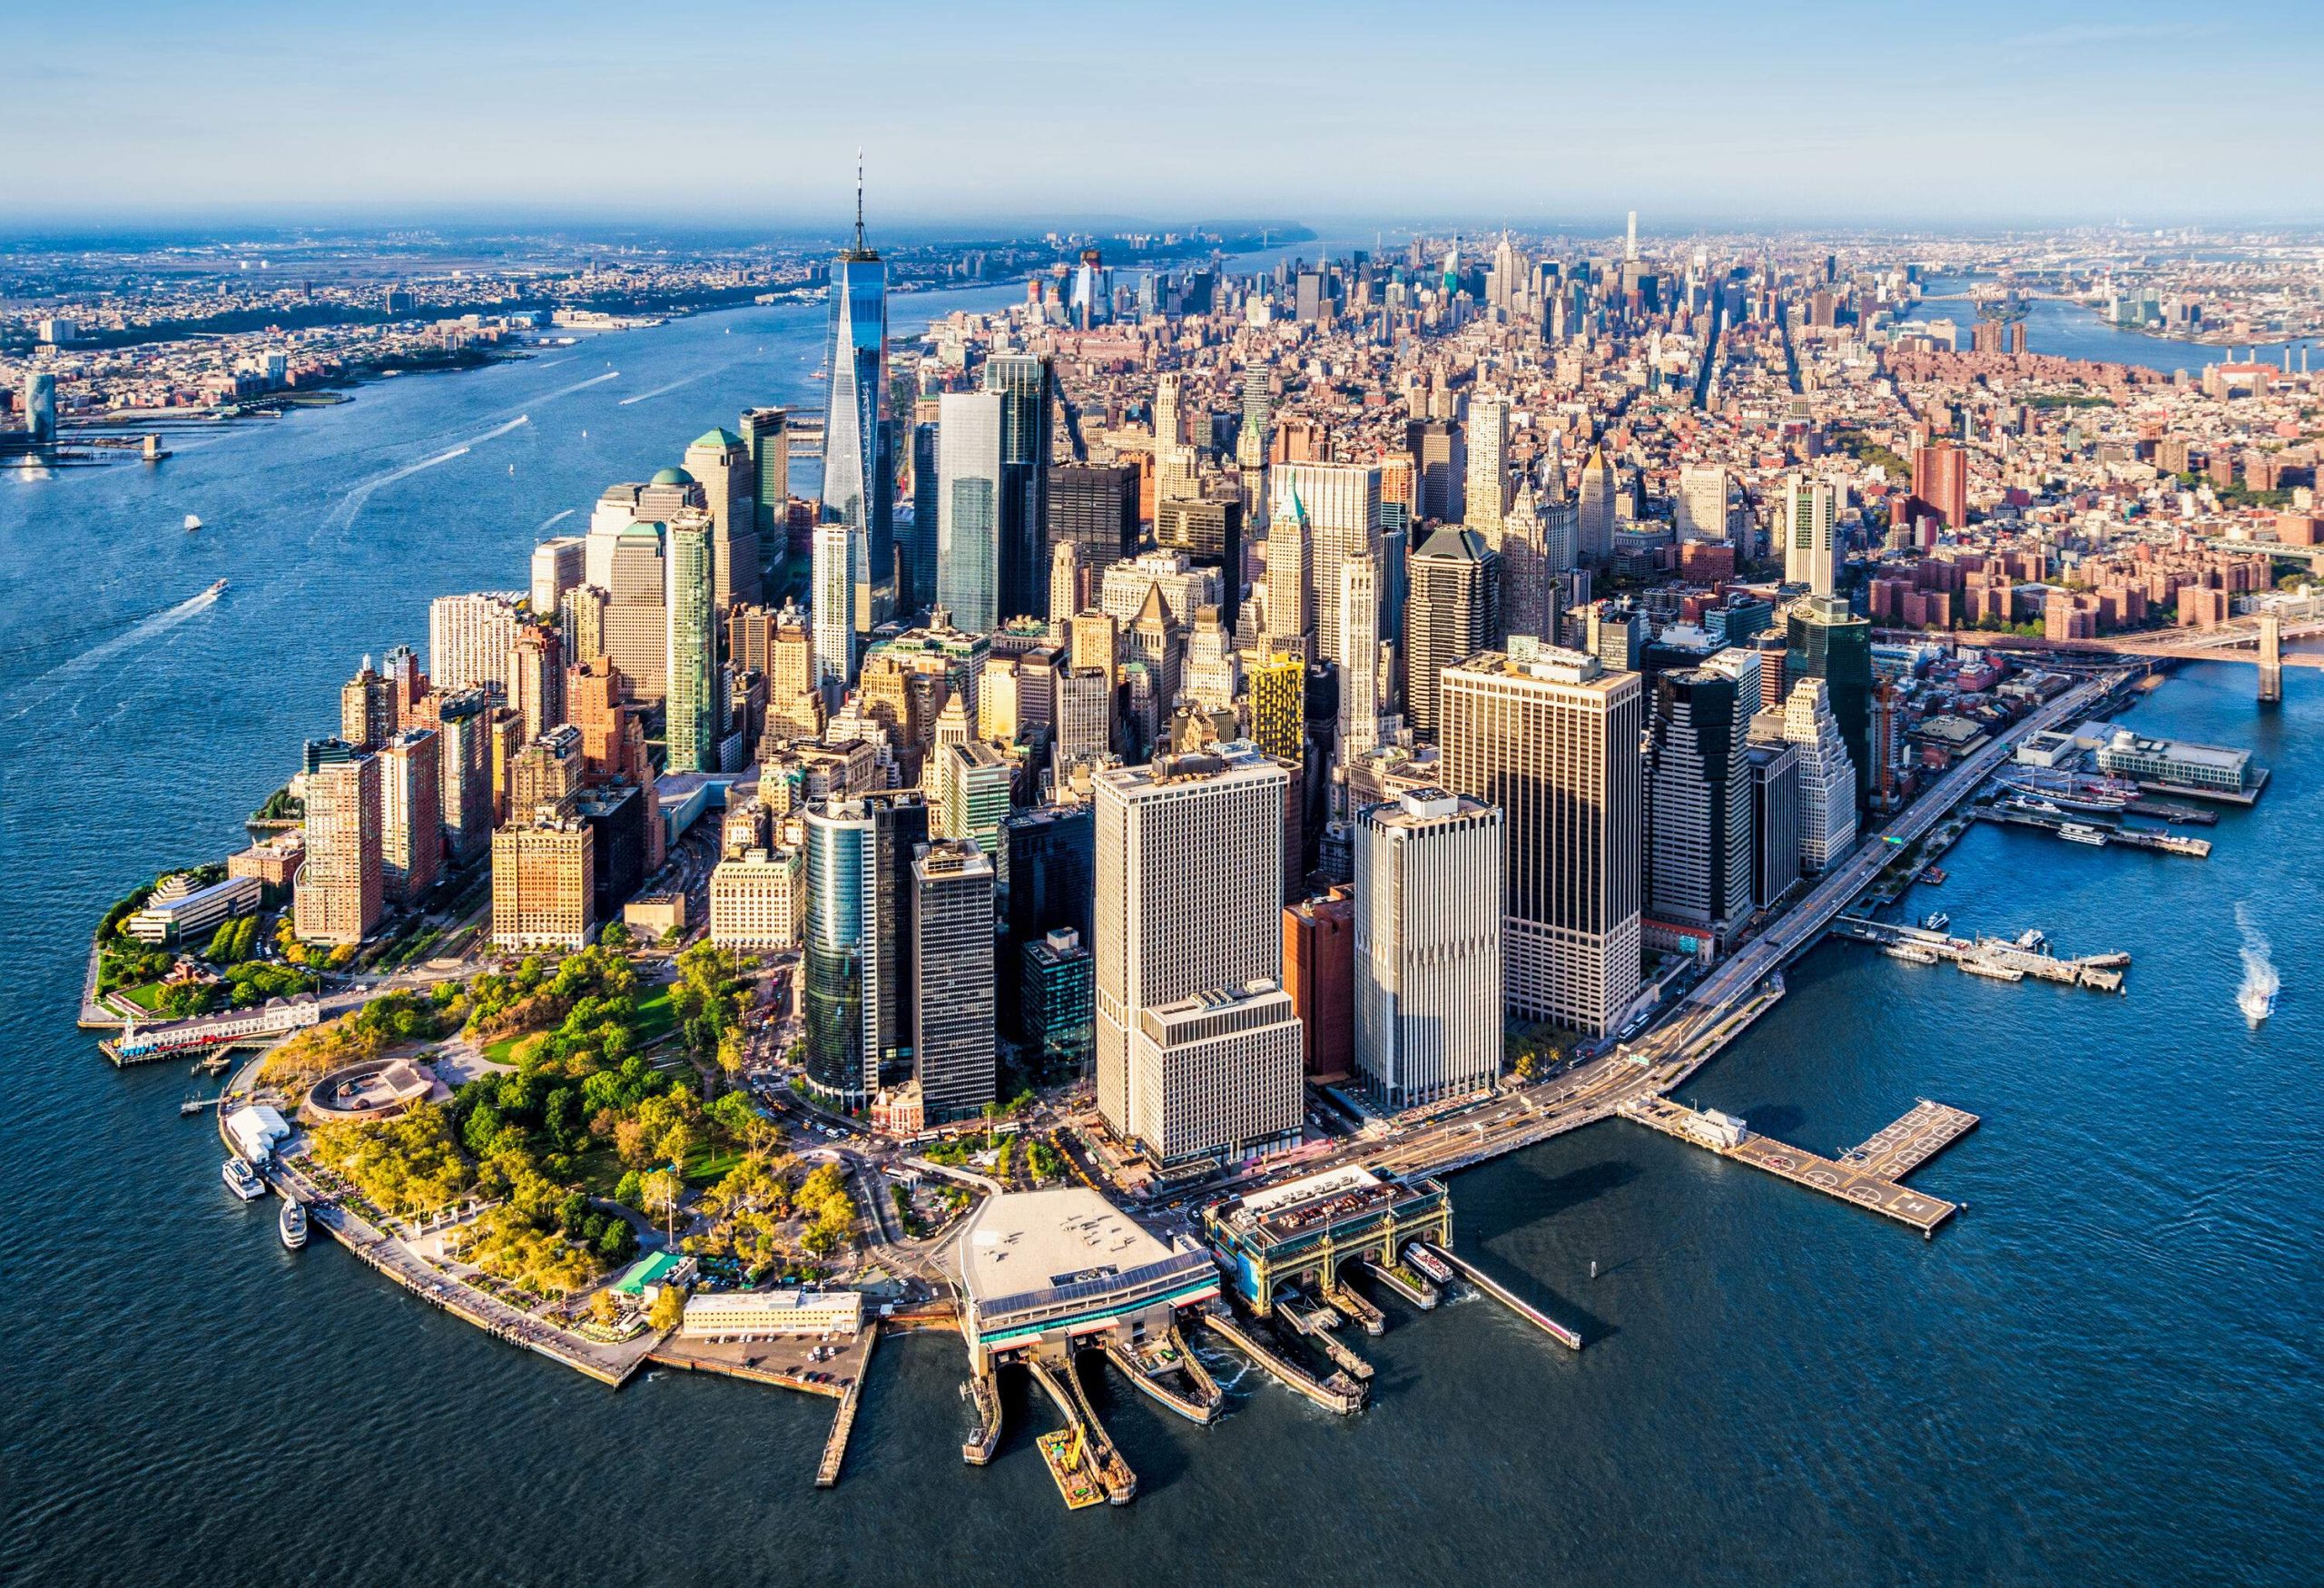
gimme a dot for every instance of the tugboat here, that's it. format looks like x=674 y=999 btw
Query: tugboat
x=293 y=1224
x=243 y=1180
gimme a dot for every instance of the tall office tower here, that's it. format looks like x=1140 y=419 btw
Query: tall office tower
x=1214 y=674
x=1775 y=818
x=367 y=708
x=1827 y=776
x=1560 y=518
x=1702 y=502
x=1594 y=517
x=792 y=700
x=720 y=462
x=1552 y=739
x=1358 y=598
x=468 y=638
x=1050 y=856
x=1173 y=458
x=411 y=820
x=1056 y=998
x=503 y=737
x=1218 y=1073
x=1487 y=493
x=1339 y=503
x=766 y=432
x=1319 y=973
x=1207 y=529
x=1096 y=642
x=1278 y=688
x=1630 y=242
x=952 y=981
x=558 y=566
x=1453 y=612
x=544 y=883
x=1811 y=552
x=1529 y=601
x=405 y=683
x=1251 y=448
x=980 y=790
x=1188 y=900
x=1439 y=466
x=1698 y=781
x=40 y=406
x=691 y=718
x=637 y=617
x=916 y=548
x=1083 y=715
x=1290 y=575
x=1064 y=584
x=1094 y=505
x=1158 y=640
x=463 y=723
x=536 y=678
x=593 y=702
x=1941 y=481
x=337 y=897
x=853 y=551
x=1826 y=640
x=968 y=509
x=857 y=963
x=548 y=772
x=1026 y=385
x=581 y=623
x=1428 y=976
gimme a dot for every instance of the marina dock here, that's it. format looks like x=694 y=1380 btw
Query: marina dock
x=843 y=1424
x=1090 y=1442
x=1148 y=1363
x=2094 y=831
x=1570 y=1338
x=985 y=1438
x=1911 y=1141
x=1999 y=958
x=1338 y=1393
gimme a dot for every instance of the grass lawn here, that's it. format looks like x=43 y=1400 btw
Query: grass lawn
x=499 y=1051
x=713 y=1166
x=655 y=1018
x=146 y=996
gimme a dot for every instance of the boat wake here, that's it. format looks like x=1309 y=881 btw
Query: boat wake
x=144 y=629
x=351 y=505
x=2257 y=996
x=580 y=385
x=662 y=390
x=554 y=519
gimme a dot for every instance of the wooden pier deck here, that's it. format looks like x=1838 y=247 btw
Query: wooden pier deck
x=1875 y=1192
x=1338 y=1393
x=1896 y=1149
x=1996 y=957
x=1570 y=1338
x=843 y=1424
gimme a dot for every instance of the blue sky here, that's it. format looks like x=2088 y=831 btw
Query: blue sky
x=1483 y=112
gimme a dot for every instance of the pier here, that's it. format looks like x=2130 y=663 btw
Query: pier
x=843 y=1424
x=1345 y=1300
x=1997 y=958
x=2094 y=831
x=1090 y=1440
x=1570 y=1338
x=1317 y=1327
x=983 y=1394
x=1148 y=1365
x=1338 y=1393
x=1403 y=1282
x=1912 y=1141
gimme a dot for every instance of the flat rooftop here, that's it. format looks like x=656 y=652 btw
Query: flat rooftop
x=1022 y=1241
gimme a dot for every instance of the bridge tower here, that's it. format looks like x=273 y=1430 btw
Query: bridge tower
x=2271 y=657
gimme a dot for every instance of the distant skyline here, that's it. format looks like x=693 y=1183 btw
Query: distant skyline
x=1695 y=115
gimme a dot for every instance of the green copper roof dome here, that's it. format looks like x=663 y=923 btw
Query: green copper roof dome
x=717 y=441
x=671 y=476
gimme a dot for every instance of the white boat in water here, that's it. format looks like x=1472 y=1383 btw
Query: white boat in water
x=191 y=523
x=2256 y=1002
x=2075 y=832
x=293 y=1224
x=243 y=1180
x=1912 y=953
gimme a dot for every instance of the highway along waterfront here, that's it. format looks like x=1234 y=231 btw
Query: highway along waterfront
x=2109 y=1354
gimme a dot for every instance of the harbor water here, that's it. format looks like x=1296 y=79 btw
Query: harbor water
x=2106 y=1369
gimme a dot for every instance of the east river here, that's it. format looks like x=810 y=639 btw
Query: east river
x=2106 y=1370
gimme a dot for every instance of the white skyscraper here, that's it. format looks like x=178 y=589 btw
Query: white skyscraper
x=1218 y=1072
x=1428 y=934
x=1188 y=900
x=1702 y=502
x=468 y=639
x=1341 y=502
x=1826 y=776
x=1811 y=535
x=1173 y=458
x=1359 y=625
x=1488 y=480
x=1290 y=571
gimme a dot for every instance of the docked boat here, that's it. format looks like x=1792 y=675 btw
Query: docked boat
x=293 y=1223
x=193 y=1105
x=1936 y=921
x=243 y=1180
x=1912 y=953
x=1991 y=970
x=2080 y=832
x=1428 y=1263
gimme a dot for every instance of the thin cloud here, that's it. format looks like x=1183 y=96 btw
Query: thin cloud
x=2076 y=36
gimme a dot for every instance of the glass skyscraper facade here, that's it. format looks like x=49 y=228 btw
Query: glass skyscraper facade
x=1026 y=384
x=858 y=948
x=970 y=483
x=850 y=566
x=692 y=723
x=1827 y=641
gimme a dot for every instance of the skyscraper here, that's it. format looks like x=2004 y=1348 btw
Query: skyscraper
x=1827 y=776
x=463 y=724
x=411 y=830
x=1452 y=612
x=367 y=708
x=952 y=981
x=1094 y=505
x=1595 y=519
x=1552 y=737
x=852 y=548
x=1810 y=542
x=1941 y=481
x=1428 y=936
x=691 y=726
x=558 y=566
x=766 y=431
x=969 y=453
x=1290 y=571
x=337 y=898
x=1488 y=473
x=915 y=551
x=536 y=677
x=858 y=960
x=1827 y=641
x=1026 y=385
x=1359 y=624
x=1702 y=502
x=1188 y=900
x=720 y=462
x=1774 y=816
x=468 y=638
x=1339 y=503
x=1698 y=784
x=637 y=617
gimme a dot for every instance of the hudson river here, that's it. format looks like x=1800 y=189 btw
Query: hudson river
x=2106 y=1370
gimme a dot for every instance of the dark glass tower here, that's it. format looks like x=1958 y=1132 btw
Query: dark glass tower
x=1026 y=384
x=1827 y=641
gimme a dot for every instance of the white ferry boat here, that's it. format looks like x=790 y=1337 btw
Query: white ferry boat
x=243 y=1180
x=2080 y=833
x=293 y=1223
